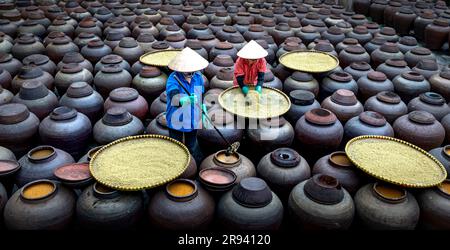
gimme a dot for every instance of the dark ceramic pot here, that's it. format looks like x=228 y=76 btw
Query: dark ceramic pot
x=129 y=50
x=387 y=104
x=59 y=47
x=159 y=105
x=344 y=104
x=10 y=64
x=150 y=82
x=223 y=79
x=385 y=52
x=112 y=60
x=111 y=77
x=251 y=205
x=219 y=62
x=436 y=34
x=41 y=61
x=403 y=21
x=407 y=43
x=84 y=99
x=358 y=69
x=301 y=81
x=5 y=96
x=421 y=129
x=422 y=21
x=6 y=154
x=158 y=125
x=66 y=129
x=37 y=98
x=434 y=205
x=442 y=155
x=393 y=67
x=374 y=44
x=29 y=73
x=372 y=84
x=410 y=84
x=301 y=102
x=196 y=207
x=361 y=34
x=431 y=102
x=335 y=81
x=26 y=46
x=389 y=12
x=373 y=200
x=321 y=193
x=440 y=83
x=415 y=55
x=53 y=210
x=95 y=50
x=75 y=57
x=367 y=123
x=70 y=73
x=129 y=99
x=389 y=34
x=427 y=68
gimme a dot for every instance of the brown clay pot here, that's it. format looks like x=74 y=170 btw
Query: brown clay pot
x=372 y=84
x=37 y=98
x=440 y=83
x=111 y=77
x=235 y=162
x=410 y=84
x=70 y=73
x=129 y=99
x=28 y=73
x=343 y=104
x=431 y=102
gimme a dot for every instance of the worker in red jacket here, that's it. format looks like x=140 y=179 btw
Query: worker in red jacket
x=250 y=67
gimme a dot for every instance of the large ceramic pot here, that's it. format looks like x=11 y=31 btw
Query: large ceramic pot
x=344 y=104
x=223 y=79
x=66 y=129
x=42 y=61
x=219 y=62
x=427 y=68
x=40 y=205
x=282 y=169
x=70 y=73
x=115 y=124
x=386 y=51
x=410 y=84
x=59 y=47
x=431 y=102
x=301 y=102
x=372 y=84
x=129 y=50
x=336 y=81
x=181 y=205
x=251 y=205
x=414 y=56
x=208 y=138
x=129 y=99
x=436 y=34
x=150 y=82
x=393 y=67
x=26 y=46
x=159 y=105
x=100 y=207
x=319 y=130
x=434 y=206
x=5 y=96
x=301 y=81
x=28 y=73
x=271 y=133
x=367 y=123
x=112 y=60
x=223 y=48
x=347 y=42
x=387 y=104
x=389 y=34
x=422 y=21
x=321 y=193
x=442 y=154
x=84 y=38
x=235 y=162
x=158 y=125
x=18 y=128
x=373 y=200
x=95 y=50
x=421 y=129
x=407 y=43
x=389 y=13
x=84 y=99
x=10 y=64
x=59 y=25
x=403 y=20
x=37 y=98
x=358 y=69
x=374 y=44
x=40 y=163
x=75 y=57
x=334 y=35
x=440 y=83
x=361 y=34
x=111 y=77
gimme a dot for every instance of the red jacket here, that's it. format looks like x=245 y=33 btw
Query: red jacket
x=250 y=72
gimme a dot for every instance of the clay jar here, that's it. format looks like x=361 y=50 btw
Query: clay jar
x=373 y=83
x=421 y=129
x=150 y=82
x=28 y=73
x=308 y=34
x=427 y=68
x=67 y=129
x=5 y=79
x=321 y=193
x=61 y=26
x=112 y=60
x=407 y=43
x=173 y=208
x=26 y=46
x=5 y=96
x=10 y=64
x=159 y=105
x=361 y=34
x=393 y=67
x=443 y=156
x=100 y=207
x=115 y=124
x=220 y=61
x=431 y=102
x=446 y=123
x=129 y=99
x=208 y=138
x=40 y=163
x=387 y=104
x=159 y=126
x=223 y=48
x=334 y=35
x=37 y=98
x=422 y=21
x=82 y=97
x=59 y=47
x=301 y=81
x=301 y=102
x=415 y=55
x=70 y=73
x=388 y=34
x=440 y=83
x=111 y=77
x=18 y=128
x=282 y=169
x=75 y=57
x=434 y=204
x=436 y=34
x=335 y=81
x=367 y=123
x=32 y=27
x=223 y=79
x=353 y=54
x=129 y=50
x=235 y=162
x=250 y=205
x=373 y=200
x=84 y=38
x=385 y=52
x=358 y=69
x=319 y=130
x=343 y=104
x=40 y=61
x=374 y=44
x=54 y=210
x=271 y=133
x=410 y=84
x=95 y=50
x=403 y=21
x=390 y=11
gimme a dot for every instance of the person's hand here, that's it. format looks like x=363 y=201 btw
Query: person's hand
x=258 y=89
x=188 y=99
x=245 y=90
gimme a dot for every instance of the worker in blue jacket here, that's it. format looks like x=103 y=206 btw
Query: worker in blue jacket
x=184 y=102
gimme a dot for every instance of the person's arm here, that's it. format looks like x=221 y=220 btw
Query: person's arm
x=174 y=97
x=260 y=80
x=240 y=80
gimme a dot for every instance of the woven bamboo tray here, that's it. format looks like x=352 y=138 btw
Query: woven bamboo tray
x=311 y=61
x=159 y=58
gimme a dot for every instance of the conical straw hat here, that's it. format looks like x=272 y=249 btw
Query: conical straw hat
x=188 y=61
x=252 y=50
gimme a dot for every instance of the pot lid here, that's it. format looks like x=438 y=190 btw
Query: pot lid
x=114 y=36
x=236 y=38
x=408 y=40
x=150 y=71
x=361 y=66
x=33 y=90
x=35 y=59
x=360 y=30
x=252 y=192
x=95 y=43
x=123 y=94
x=285 y=157
x=302 y=97
x=372 y=118
x=117 y=116
x=432 y=98
x=378 y=41
x=86 y=35
x=256 y=28
x=390 y=47
x=428 y=64
x=421 y=51
x=160 y=45
x=344 y=97
x=350 y=41
x=128 y=42
x=421 y=117
x=399 y=63
x=377 y=76
x=111 y=68
x=302 y=76
x=440 y=22
x=175 y=38
x=30 y=72
x=445 y=74
x=320 y=116
x=354 y=49
x=324 y=189
x=71 y=68
x=389 y=97
x=79 y=89
x=413 y=76
x=388 y=31
x=111 y=59
x=335 y=30
x=63 y=113
x=13 y=113
x=341 y=76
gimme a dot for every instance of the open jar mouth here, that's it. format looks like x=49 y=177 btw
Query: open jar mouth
x=340 y=159
x=182 y=190
x=41 y=153
x=444 y=188
x=389 y=193
x=102 y=191
x=38 y=190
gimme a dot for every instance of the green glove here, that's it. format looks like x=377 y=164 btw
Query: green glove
x=188 y=99
x=245 y=90
x=258 y=89
x=204 y=115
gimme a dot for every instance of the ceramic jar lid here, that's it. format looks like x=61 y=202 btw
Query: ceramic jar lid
x=341 y=76
x=71 y=68
x=63 y=113
x=111 y=59
x=252 y=192
x=413 y=76
x=344 y=97
x=408 y=40
x=399 y=63
x=30 y=72
x=285 y=157
x=427 y=64
x=223 y=61
x=320 y=116
x=79 y=89
x=432 y=98
x=353 y=49
x=372 y=118
x=302 y=97
x=377 y=76
x=73 y=57
x=13 y=113
x=150 y=71
x=390 y=47
x=389 y=97
x=324 y=189
x=35 y=59
x=226 y=74
x=33 y=90
x=421 y=117
x=421 y=51
x=117 y=116
x=123 y=94
x=111 y=68
x=362 y=66
x=302 y=76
